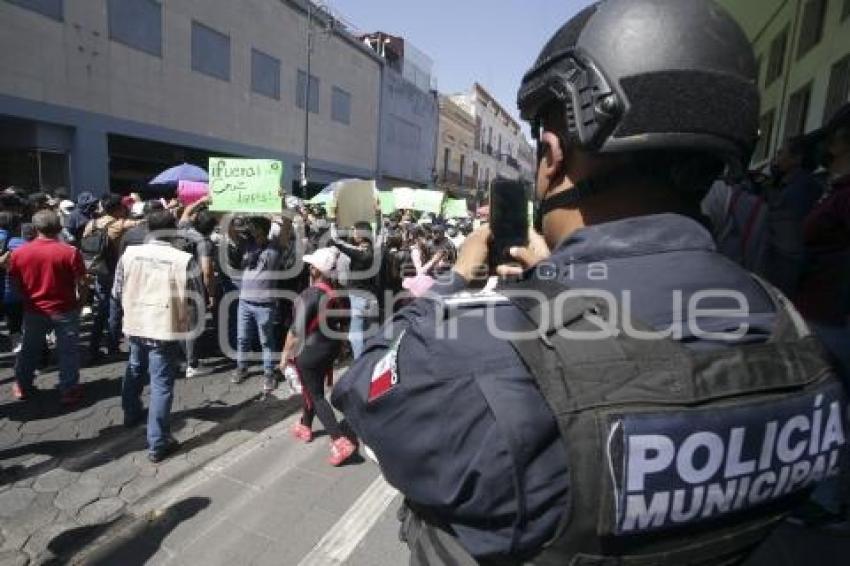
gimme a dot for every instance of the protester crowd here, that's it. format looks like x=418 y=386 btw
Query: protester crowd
x=161 y=276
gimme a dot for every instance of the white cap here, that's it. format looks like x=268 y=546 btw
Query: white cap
x=66 y=206
x=324 y=260
x=137 y=210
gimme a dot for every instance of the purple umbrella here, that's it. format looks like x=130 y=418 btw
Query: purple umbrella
x=185 y=172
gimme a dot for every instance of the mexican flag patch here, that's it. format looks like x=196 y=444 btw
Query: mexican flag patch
x=385 y=372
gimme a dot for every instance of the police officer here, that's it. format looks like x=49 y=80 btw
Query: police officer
x=676 y=436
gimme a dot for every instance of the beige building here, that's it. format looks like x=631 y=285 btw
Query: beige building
x=803 y=51
x=457 y=161
x=499 y=141
x=99 y=94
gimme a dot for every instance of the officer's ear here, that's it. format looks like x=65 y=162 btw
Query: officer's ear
x=550 y=169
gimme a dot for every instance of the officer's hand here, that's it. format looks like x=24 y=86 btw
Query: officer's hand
x=527 y=257
x=472 y=260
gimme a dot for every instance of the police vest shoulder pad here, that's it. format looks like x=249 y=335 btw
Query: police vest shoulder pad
x=677 y=456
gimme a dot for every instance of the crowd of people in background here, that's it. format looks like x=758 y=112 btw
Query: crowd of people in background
x=790 y=225
x=160 y=276
x=239 y=278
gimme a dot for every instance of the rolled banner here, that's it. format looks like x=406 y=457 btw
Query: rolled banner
x=191 y=191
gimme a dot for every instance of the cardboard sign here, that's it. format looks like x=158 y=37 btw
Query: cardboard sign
x=455 y=208
x=245 y=185
x=356 y=202
x=429 y=201
x=405 y=198
x=387 y=203
x=189 y=192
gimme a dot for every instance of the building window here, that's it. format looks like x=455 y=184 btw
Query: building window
x=341 y=106
x=839 y=88
x=136 y=24
x=475 y=173
x=462 y=169
x=265 y=74
x=51 y=8
x=765 y=136
x=798 y=110
x=479 y=132
x=776 y=61
x=210 y=52
x=313 y=95
x=447 y=153
x=811 y=31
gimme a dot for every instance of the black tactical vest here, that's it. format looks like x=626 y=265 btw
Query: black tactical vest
x=676 y=457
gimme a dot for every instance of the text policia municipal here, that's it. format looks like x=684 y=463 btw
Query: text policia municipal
x=717 y=474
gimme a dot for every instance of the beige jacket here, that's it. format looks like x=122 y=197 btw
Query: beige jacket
x=158 y=288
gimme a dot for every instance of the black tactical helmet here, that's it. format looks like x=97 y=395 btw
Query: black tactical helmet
x=634 y=75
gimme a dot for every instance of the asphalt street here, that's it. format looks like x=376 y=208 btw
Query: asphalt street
x=275 y=501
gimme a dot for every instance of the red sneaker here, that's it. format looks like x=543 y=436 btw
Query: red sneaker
x=341 y=450
x=72 y=396
x=302 y=432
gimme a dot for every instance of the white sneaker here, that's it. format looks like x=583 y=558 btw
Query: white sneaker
x=16 y=343
x=199 y=371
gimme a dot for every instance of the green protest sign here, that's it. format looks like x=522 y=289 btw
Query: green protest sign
x=245 y=185
x=455 y=208
x=428 y=201
x=387 y=203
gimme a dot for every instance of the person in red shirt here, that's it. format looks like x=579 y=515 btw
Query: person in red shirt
x=50 y=278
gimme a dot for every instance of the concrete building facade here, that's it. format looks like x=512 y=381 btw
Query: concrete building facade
x=100 y=94
x=409 y=113
x=458 y=163
x=803 y=51
x=498 y=137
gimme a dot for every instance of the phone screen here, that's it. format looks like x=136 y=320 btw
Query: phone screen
x=508 y=219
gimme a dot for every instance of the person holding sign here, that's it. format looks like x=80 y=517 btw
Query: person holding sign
x=258 y=300
x=361 y=280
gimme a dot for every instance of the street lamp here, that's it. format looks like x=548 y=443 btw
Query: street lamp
x=325 y=16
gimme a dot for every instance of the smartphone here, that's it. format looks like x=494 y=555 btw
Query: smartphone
x=508 y=219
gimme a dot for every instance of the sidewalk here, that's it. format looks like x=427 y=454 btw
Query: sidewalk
x=62 y=471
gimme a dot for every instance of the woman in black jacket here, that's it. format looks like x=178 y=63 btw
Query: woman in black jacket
x=312 y=345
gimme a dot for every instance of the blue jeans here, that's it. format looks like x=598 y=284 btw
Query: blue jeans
x=36 y=328
x=357 y=330
x=107 y=315
x=160 y=360
x=256 y=319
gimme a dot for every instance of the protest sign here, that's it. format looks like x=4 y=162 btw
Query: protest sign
x=356 y=201
x=245 y=185
x=455 y=208
x=189 y=192
x=387 y=203
x=405 y=198
x=429 y=201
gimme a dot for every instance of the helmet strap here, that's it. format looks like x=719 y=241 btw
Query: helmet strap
x=573 y=197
